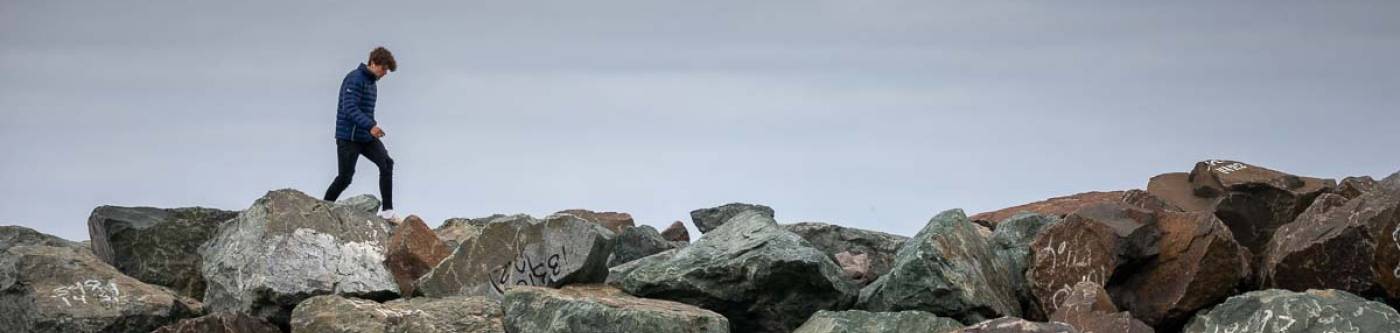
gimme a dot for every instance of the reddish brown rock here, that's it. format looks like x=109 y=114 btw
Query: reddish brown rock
x=1175 y=189
x=1089 y=309
x=856 y=267
x=221 y=322
x=1089 y=245
x=614 y=221
x=1387 y=260
x=1198 y=264
x=413 y=250
x=1145 y=200
x=1322 y=249
x=1254 y=201
x=676 y=233
x=1058 y=206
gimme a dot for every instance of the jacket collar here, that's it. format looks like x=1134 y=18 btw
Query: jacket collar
x=364 y=69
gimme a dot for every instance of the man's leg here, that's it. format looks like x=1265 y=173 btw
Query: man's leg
x=376 y=153
x=346 y=154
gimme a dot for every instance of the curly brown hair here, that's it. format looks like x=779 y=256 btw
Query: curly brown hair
x=381 y=56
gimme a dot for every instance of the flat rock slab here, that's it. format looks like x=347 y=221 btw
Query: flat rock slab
x=289 y=246
x=947 y=269
x=1089 y=245
x=637 y=242
x=1057 y=206
x=878 y=248
x=857 y=321
x=64 y=289
x=707 y=219
x=457 y=314
x=1088 y=308
x=599 y=308
x=221 y=322
x=520 y=250
x=1018 y=325
x=1199 y=264
x=1313 y=311
x=413 y=251
x=154 y=245
x=614 y=221
x=760 y=276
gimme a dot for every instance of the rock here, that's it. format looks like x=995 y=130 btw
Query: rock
x=1058 y=206
x=455 y=231
x=1313 y=311
x=711 y=218
x=1089 y=309
x=1175 y=190
x=520 y=250
x=857 y=321
x=364 y=202
x=1324 y=248
x=637 y=242
x=13 y=235
x=676 y=233
x=222 y=322
x=751 y=270
x=1379 y=211
x=157 y=246
x=1148 y=201
x=598 y=308
x=457 y=314
x=1214 y=178
x=1092 y=244
x=1254 y=201
x=1011 y=241
x=1018 y=325
x=618 y=273
x=878 y=247
x=856 y=267
x=67 y=289
x=1352 y=187
x=613 y=221
x=289 y=246
x=1199 y=264
x=413 y=251
x=949 y=270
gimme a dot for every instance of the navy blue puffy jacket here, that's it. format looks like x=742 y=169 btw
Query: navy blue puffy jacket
x=355 y=114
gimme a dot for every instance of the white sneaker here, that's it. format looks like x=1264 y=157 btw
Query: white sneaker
x=390 y=216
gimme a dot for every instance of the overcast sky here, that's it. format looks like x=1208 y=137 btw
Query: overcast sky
x=873 y=114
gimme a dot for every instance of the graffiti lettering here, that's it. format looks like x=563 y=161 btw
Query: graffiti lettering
x=100 y=292
x=525 y=270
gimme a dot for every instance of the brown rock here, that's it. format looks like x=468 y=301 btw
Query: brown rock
x=1254 y=201
x=614 y=221
x=856 y=267
x=676 y=232
x=1145 y=200
x=1058 y=206
x=1321 y=250
x=221 y=322
x=1198 y=264
x=1352 y=187
x=1089 y=309
x=1089 y=245
x=413 y=250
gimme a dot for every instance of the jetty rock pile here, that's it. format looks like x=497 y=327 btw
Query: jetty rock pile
x=1224 y=246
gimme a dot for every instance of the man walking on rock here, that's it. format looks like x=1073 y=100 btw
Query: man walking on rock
x=357 y=133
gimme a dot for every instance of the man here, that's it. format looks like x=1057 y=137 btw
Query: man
x=356 y=132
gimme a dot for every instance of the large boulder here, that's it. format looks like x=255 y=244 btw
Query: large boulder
x=618 y=273
x=365 y=202
x=613 y=221
x=599 y=308
x=157 y=246
x=289 y=246
x=1331 y=245
x=457 y=230
x=1313 y=311
x=676 y=233
x=1379 y=207
x=68 y=289
x=222 y=322
x=520 y=250
x=857 y=321
x=760 y=276
x=1018 y=325
x=1092 y=244
x=1057 y=206
x=637 y=242
x=949 y=270
x=1089 y=309
x=876 y=247
x=1254 y=201
x=1199 y=264
x=13 y=235
x=457 y=314
x=707 y=219
x=413 y=251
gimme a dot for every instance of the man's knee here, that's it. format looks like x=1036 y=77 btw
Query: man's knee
x=345 y=175
x=387 y=166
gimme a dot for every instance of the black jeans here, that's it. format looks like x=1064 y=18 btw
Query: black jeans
x=348 y=152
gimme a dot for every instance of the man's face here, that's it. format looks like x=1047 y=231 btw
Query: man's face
x=379 y=71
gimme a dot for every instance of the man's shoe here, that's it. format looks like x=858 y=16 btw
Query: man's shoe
x=390 y=216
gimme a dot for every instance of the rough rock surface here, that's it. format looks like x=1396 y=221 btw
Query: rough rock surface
x=637 y=242
x=1352 y=187
x=13 y=235
x=949 y=270
x=1199 y=264
x=760 y=276
x=877 y=247
x=364 y=202
x=599 y=308
x=613 y=221
x=413 y=251
x=289 y=246
x=457 y=314
x=157 y=246
x=1089 y=309
x=618 y=273
x=1012 y=242
x=456 y=231
x=707 y=219
x=1175 y=190
x=1379 y=208
x=857 y=321
x=1091 y=244
x=676 y=233
x=66 y=289
x=222 y=322
x=520 y=250
x=1018 y=325
x=1313 y=311
x=1254 y=201
x=1331 y=245
x=856 y=267
x=1058 y=206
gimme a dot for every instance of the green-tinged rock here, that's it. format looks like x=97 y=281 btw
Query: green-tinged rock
x=602 y=309
x=459 y=314
x=1282 y=311
x=154 y=245
x=857 y=321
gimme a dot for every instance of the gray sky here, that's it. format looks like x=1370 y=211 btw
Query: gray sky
x=874 y=114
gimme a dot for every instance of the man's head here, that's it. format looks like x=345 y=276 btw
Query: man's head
x=381 y=62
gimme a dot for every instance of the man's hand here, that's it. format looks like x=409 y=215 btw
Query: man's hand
x=376 y=132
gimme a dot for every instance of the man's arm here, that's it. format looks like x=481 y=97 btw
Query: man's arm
x=350 y=97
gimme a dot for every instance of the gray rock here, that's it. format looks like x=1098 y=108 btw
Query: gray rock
x=458 y=314
x=520 y=250
x=707 y=219
x=618 y=273
x=457 y=230
x=66 y=289
x=1313 y=311
x=613 y=221
x=364 y=202
x=1012 y=242
x=857 y=321
x=1018 y=325
x=222 y=322
x=598 y=308
x=949 y=270
x=154 y=245
x=878 y=247
x=637 y=242
x=13 y=235
x=760 y=276
x=289 y=246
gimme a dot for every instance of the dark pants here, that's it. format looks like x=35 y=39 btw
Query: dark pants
x=348 y=152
